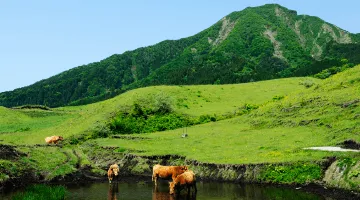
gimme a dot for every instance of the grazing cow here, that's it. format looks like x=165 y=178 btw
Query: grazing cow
x=113 y=172
x=186 y=179
x=167 y=172
x=53 y=139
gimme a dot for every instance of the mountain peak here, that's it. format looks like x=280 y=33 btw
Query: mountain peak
x=257 y=43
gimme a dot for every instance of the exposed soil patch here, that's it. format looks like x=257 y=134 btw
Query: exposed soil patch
x=298 y=33
x=41 y=145
x=225 y=30
x=41 y=107
x=130 y=137
x=8 y=152
x=350 y=103
x=350 y=144
x=271 y=35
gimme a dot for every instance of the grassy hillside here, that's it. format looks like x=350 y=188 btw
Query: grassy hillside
x=292 y=114
x=324 y=114
x=258 y=43
x=31 y=126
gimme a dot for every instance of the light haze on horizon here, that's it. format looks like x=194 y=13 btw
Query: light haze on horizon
x=41 y=38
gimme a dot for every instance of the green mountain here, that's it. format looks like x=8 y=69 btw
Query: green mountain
x=254 y=44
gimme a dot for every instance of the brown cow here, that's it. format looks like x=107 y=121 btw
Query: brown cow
x=186 y=179
x=113 y=172
x=53 y=139
x=167 y=172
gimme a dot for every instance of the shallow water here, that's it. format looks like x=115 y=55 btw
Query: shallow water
x=141 y=190
x=206 y=191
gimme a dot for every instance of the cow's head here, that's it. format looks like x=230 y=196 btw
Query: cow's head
x=60 y=138
x=116 y=171
x=184 y=168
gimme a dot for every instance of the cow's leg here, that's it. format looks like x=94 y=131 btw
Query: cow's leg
x=110 y=178
x=155 y=179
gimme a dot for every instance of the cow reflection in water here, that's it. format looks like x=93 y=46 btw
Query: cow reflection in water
x=164 y=195
x=113 y=191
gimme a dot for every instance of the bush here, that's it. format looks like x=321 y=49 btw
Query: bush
x=247 y=108
x=100 y=131
x=326 y=73
x=206 y=118
x=277 y=98
x=307 y=83
x=297 y=173
x=163 y=104
x=151 y=114
x=126 y=124
x=155 y=104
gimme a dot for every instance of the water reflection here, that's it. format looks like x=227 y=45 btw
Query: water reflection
x=163 y=194
x=113 y=191
x=131 y=190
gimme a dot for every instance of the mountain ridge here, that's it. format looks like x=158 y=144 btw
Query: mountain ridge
x=257 y=43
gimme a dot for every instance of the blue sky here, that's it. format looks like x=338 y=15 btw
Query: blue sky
x=39 y=39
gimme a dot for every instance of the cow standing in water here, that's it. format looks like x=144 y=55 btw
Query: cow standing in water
x=53 y=139
x=186 y=179
x=167 y=172
x=113 y=172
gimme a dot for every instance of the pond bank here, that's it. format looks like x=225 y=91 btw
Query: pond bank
x=342 y=175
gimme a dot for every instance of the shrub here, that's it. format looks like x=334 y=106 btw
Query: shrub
x=163 y=104
x=152 y=123
x=307 y=83
x=155 y=113
x=206 y=118
x=247 y=108
x=297 y=173
x=277 y=98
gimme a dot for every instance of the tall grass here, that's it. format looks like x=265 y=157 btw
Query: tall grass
x=42 y=192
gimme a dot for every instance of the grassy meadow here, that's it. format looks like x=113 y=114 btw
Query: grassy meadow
x=290 y=114
x=326 y=113
x=31 y=126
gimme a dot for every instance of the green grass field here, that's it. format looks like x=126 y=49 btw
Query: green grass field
x=324 y=114
x=31 y=126
x=293 y=113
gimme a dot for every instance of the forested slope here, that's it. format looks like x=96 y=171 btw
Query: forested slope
x=254 y=44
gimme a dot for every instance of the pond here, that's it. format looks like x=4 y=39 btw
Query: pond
x=206 y=191
x=141 y=190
